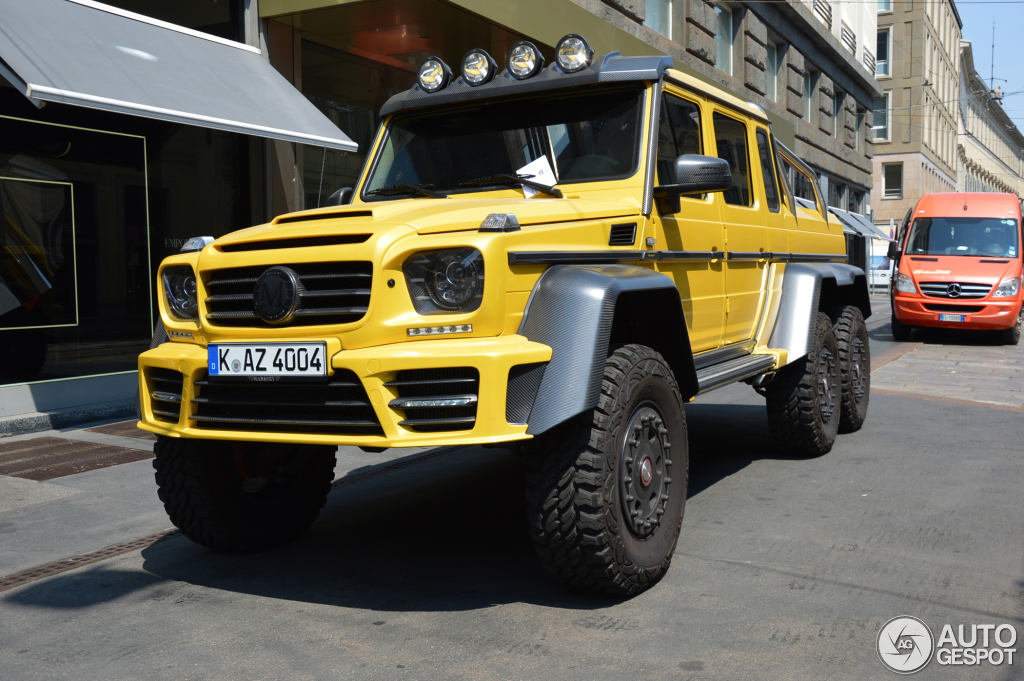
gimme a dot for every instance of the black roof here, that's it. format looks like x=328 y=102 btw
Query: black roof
x=610 y=68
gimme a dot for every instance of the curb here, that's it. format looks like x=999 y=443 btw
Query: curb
x=39 y=421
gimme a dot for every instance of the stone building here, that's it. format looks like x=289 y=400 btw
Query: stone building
x=990 y=152
x=916 y=118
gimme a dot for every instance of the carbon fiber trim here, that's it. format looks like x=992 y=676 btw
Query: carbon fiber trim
x=523 y=383
x=652 y=144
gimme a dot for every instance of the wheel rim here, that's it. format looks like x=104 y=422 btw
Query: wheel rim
x=644 y=471
x=858 y=377
x=828 y=388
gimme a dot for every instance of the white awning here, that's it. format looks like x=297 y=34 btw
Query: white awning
x=88 y=54
x=858 y=224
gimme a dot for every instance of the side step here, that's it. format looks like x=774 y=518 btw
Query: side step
x=733 y=370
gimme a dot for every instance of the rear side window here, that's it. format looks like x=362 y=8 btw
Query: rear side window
x=803 y=186
x=678 y=134
x=731 y=140
x=771 y=187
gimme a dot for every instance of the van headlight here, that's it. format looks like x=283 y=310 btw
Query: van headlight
x=905 y=284
x=448 y=281
x=1007 y=288
x=180 y=289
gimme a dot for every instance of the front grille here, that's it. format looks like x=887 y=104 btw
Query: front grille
x=335 y=406
x=943 y=307
x=940 y=289
x=461 y=384
x=165 y=390
x=335 y=293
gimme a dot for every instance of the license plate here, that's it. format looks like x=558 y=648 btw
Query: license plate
x=951 y=317
x=268 y=359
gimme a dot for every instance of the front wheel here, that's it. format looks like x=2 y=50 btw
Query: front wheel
x=242 y=496
x=1011 y=336
x=605 y=493
x=900 y=331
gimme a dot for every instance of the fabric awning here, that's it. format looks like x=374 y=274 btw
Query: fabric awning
x=857 y=224
x=89 y=54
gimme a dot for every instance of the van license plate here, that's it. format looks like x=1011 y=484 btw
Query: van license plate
x=951 y=317
x=267 y=359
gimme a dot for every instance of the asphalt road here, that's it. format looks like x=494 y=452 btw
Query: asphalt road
x=786 y=567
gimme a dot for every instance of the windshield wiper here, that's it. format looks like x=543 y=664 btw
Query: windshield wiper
x=509 y=179
x=408 y=189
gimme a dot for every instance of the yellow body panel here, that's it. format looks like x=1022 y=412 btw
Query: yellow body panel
x=723 y=302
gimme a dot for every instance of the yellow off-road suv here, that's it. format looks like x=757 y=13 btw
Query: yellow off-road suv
x=553 y=259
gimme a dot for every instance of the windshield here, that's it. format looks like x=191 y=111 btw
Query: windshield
x=992 y=237
x=586 y=136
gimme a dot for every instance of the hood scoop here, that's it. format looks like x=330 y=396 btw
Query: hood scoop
x=324 y=216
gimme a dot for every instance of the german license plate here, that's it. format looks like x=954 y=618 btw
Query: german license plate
x=951 y=317
x=267 y=359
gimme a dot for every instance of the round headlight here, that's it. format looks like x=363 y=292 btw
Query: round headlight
x=478 y=67
x=448 y=281
x=433 y=74
x=524 y=60
x=180 y=289
x=573 y=53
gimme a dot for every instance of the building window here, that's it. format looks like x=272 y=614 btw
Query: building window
x=858 y=131
x=882 y=52
x=810 y=78
x=881 y=127
x=884 y=5
x=857 y=202
x=892 y=180
x=723 y=39
x=771 y=72
x=836 y=195
x=837 y=113
x=659 y=17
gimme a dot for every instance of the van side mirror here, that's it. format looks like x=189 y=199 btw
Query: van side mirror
x=892 y=250
x=694 y=174
x=340 y=198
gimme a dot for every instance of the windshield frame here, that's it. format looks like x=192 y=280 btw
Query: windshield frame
x=642 y=88
x=914 y=223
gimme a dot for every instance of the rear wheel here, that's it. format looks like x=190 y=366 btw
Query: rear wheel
x=900 y=331
x=242 y=497
x=855 y=366
x=804 y=400
x=1011 y=336
x=605 y=492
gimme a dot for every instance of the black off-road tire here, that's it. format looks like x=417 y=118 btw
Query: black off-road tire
x=804 y=400
x=596 y=524
x=242 y=497
x=1011 y=336
x=855 y=366
x=900 y=331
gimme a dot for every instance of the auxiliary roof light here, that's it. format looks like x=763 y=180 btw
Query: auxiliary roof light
x=478 y=67
x=433 y=74
x=524 y=60
x=573 y=53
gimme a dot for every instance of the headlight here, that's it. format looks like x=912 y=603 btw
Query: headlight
x=1007 y=288
x=905 y=284
x=180 y=289
x=449 y=281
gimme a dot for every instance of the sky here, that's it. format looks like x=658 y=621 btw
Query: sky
x=1009 y=57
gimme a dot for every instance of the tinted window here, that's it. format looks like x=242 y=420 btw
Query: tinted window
x=731 y=140
x=771 y=188
x=678 y=134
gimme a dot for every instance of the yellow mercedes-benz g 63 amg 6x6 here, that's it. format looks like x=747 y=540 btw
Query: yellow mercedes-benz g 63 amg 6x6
x=552 y=258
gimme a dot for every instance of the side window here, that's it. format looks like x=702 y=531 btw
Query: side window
x=803 y=187
x=771 y=187
x=678 y=134
x=731 y=140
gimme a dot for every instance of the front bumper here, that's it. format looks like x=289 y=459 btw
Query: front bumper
x=979 y=315
x=491 y=357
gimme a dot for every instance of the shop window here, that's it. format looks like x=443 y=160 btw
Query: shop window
x=731 y=141
x=892 y=180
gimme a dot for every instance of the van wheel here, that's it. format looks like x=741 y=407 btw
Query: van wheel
x=242 y=496
x=804 y=402
x=855 y=367
x=1011 y=336
x=900 y=331
x=605 y=492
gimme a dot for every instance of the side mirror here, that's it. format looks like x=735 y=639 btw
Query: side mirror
x=340 y=198
x=892 y=250
x=695 y=174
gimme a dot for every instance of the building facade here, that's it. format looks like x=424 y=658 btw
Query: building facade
x=990 y=149
x=916 y=118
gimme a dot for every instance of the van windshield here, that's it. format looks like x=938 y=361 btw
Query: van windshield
x=586 y=136
x=980 y=237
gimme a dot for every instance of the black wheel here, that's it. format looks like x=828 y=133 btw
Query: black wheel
x=804 y=400
x=900 y=331
x=242 y=496
x=854 y=366
x=1011 y=336
x=605 y=493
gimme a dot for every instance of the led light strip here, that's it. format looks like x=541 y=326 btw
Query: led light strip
x=439 y=330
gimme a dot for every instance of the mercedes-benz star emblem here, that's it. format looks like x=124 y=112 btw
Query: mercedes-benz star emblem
x=276 y=296
x=953 y=290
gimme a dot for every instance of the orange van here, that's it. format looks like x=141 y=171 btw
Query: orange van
x=958 y=265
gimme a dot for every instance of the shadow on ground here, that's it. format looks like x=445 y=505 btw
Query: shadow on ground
x=448 y=535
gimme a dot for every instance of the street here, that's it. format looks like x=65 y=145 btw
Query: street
x=420 y=565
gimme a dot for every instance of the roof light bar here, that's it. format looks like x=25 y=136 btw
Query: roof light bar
x=478 y=67
x=573 y=53
x=524 y=60
x=433 y=75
